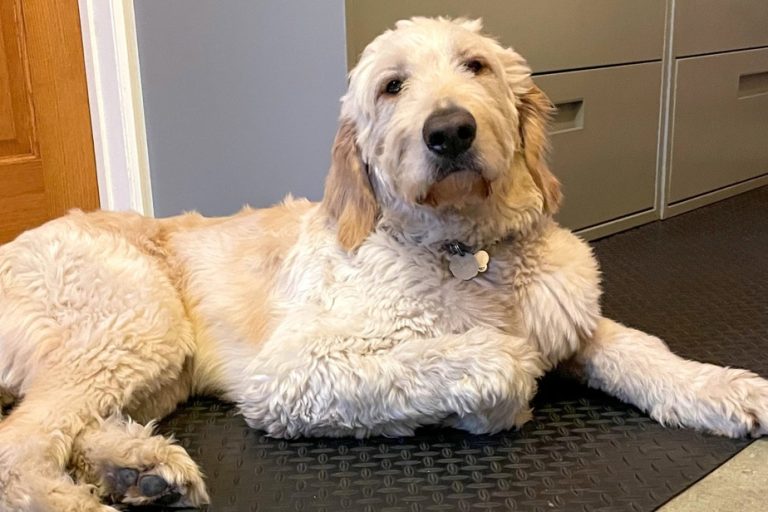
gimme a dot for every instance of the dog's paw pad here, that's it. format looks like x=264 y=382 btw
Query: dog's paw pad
x=152 y=485
x=126 y=477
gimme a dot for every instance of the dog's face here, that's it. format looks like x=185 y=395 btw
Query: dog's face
x=434 y=117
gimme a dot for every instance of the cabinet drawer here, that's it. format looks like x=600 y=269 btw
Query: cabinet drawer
x=707 y=26
x=551 y=34
x=604 y=140
x=720 y=134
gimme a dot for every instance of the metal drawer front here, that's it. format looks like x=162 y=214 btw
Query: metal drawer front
x=707 y=26
x=720 y=134
x=551 y=34
x=605 y=140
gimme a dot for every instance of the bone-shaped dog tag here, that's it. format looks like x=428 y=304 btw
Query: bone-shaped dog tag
x=482 y=259
x=464 y=266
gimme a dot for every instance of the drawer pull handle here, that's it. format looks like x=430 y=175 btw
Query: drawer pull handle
x=569 y=117
x=753 y=84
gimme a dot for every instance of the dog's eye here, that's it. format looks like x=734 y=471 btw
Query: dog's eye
x=393 y=87
x=475 y=66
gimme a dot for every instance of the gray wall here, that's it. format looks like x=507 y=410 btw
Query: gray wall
x=240 y=97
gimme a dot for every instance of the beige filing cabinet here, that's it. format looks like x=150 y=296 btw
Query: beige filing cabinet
x=600 y=63
x=719 y=135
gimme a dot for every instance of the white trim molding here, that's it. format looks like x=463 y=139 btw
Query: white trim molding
x=117 y=107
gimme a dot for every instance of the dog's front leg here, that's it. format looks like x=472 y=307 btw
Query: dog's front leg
x=481 y=381
x=640 y=369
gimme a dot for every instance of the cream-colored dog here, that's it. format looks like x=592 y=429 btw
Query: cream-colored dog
x=430 y=285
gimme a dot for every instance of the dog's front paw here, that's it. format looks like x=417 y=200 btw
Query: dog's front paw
x=732 y=403
x=747 y=395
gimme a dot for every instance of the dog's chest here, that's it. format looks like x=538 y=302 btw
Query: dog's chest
x=396 y=292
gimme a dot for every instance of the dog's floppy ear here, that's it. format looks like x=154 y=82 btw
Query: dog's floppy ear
x=349 y=197
x=535 y=110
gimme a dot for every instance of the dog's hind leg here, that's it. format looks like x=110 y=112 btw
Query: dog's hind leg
x=58 y=454
x=58 y=426
x=57 y=433
x=90 y=326
x=640 y=369
x=131 y=465
x=35 y=443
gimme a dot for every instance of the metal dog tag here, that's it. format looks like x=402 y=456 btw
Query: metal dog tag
x=464 y=266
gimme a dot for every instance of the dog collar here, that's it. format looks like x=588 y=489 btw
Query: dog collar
x=463 y=262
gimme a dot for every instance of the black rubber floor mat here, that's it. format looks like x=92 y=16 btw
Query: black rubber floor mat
x=698 y=280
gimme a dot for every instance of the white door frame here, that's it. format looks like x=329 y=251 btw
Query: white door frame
x=117 y=108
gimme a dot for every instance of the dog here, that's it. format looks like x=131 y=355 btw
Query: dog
x=430 y=285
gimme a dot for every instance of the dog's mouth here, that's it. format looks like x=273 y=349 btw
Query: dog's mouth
x=457 y=187
x=446 y=167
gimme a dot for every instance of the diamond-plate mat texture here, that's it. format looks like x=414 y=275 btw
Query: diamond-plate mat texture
x=699 y=280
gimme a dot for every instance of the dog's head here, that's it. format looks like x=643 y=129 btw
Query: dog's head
x=439 y=121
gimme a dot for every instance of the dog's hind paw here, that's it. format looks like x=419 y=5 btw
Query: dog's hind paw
x=131 y=486
x=131 y=465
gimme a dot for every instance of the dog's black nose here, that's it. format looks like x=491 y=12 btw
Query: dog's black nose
x=449 y=132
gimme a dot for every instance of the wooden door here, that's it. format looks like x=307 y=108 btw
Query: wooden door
x=47 y=162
